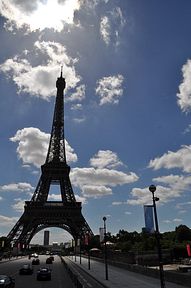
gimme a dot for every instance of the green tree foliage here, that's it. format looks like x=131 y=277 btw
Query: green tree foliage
x=134 y=241
x=95 y=242
x=183 y=233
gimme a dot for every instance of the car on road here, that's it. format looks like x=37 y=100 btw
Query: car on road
x=35 y=261
x=6 y=281
x=35 y=255
x=49 y=260
x=43 y=273
x=26 y=270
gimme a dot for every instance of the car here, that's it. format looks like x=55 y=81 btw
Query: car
x=43 y=273
x=35 y=261
x=26 y=270
x=7 y=281
x=52 y=257
x=49 y=260
x=35 y=255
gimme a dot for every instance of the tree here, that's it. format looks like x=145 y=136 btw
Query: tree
x=183 y=233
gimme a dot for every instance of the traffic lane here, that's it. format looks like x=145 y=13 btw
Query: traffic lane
x=59 y=279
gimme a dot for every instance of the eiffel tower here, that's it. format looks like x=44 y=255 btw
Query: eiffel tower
x=40 y=213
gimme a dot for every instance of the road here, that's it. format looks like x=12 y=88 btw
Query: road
x=59 y=279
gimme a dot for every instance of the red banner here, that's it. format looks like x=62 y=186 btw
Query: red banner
x=188 y=249
x=87 y=238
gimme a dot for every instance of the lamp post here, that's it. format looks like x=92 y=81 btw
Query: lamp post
x=75 y=248
x=105 y=248
x=80 y=250
x=89 y=259
x=152 y=189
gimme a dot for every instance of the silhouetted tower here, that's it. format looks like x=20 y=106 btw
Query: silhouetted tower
x=40 y=213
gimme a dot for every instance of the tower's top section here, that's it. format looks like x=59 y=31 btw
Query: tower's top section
x=56 y=150
x=61 y=83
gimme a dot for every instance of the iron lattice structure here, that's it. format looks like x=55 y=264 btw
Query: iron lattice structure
x=40 y=213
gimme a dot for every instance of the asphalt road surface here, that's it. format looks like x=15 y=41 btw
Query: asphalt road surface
x=60 y=278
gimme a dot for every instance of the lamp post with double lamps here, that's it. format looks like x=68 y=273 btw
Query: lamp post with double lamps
x=152 y=189
x=105 y=248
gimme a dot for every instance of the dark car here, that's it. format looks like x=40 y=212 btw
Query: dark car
x=26 y=270
x=35 y=261
x=49 y=260
x=6 y=281
x=43 y=273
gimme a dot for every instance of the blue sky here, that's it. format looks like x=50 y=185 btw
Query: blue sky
x=127 y=66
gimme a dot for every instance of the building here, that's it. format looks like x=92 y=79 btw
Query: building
x=46 y=237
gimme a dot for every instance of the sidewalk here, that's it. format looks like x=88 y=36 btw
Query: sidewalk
x=118 y=277
x=11 y=259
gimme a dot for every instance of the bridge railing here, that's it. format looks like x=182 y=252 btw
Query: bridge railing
x=72 y=275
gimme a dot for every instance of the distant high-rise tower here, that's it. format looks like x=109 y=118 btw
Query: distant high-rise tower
x=46 y=237
x=39 y=213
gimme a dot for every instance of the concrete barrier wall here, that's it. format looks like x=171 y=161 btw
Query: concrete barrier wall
x=72 y=275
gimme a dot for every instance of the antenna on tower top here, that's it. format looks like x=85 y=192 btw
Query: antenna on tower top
x=61 y=71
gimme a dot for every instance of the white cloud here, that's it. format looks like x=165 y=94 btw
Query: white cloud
x=175 y=186
x=7 y=221
x=39 y=81
x=187 y=130
x=144 y=196
x=38 y=14
x=182 y=211
x=92 y=3
x=95 y=191
x=79 y=120
x=184 y=95
x=77 y=106
x=33 y=146
x=175 y=182
x=166 y=221
x=19 y=205
x=117 y=13
x=102 y=180
x=111 y=25
x=101 y=177
x=179 y=159
x=105 y=159
x=110 y=89
x=128 y=213
x=116 y=203
x=70 y=155
x=182 y=205
x=177 y=220
x=81 y=199
x=54 y=197
x=17 y=187
x=105 y=29
x=79 y=95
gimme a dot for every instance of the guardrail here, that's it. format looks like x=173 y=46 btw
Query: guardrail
x=72 y=275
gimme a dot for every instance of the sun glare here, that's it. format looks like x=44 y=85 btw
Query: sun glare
x=49 y=14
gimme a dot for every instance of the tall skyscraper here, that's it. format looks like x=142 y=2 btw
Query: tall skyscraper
x=46 y=237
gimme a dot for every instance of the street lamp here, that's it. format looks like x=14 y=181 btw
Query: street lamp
x=105 y=248
x=80 y=250
x=152 y=189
